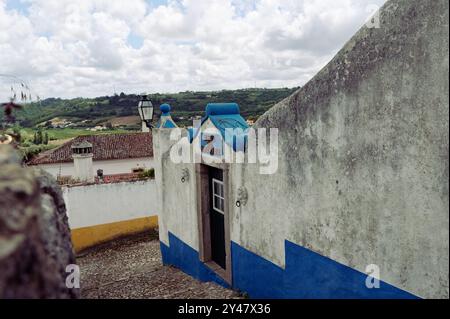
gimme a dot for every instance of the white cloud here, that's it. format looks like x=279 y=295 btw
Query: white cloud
x=81 y=48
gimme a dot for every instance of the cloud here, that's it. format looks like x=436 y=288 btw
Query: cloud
x=69 y=48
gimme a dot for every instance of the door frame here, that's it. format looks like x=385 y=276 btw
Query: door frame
x=203 y=206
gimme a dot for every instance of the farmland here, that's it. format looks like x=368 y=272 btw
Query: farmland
x=120 y=110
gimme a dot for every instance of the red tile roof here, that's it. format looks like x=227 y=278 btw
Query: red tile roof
x=105 y=147
x=117 y=178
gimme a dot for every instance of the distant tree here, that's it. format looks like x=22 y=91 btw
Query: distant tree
x=45 y=139
x=109 y=126
x=38 y=137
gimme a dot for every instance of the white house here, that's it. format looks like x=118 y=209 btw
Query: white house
x=112 y=153
x=119 y=203
x=358 y=205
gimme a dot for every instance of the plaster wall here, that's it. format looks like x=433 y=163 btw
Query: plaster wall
x=98 y=204
x=177 y=200
x=83 y=167
x=109 y=167
x=363 y=160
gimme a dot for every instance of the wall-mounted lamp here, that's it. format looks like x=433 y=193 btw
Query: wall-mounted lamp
x=184 y=175
x=242 y=196
x=145 y=108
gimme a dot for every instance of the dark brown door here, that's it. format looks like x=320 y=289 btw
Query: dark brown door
x=217 y=216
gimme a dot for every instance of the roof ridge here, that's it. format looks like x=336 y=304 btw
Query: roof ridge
x=105 y=147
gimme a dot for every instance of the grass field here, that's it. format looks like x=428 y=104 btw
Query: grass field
x=56 y=134
x=123 y=120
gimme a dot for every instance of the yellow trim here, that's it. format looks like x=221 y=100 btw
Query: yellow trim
x=89 y=236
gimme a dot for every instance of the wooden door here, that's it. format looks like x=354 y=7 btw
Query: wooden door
x=217 y=216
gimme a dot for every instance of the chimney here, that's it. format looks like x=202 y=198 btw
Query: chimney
x=82 y=160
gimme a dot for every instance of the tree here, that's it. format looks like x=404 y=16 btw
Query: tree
x=45 y=139
x=38 y=137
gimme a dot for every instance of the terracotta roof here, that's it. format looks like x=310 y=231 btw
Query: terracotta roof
x=104 y=147
x=117 y=178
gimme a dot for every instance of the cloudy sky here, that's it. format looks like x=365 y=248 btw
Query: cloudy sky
x=93 y=47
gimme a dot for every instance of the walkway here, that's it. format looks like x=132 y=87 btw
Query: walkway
x=132 y=268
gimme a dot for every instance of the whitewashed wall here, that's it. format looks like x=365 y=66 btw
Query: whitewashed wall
x=176 y=198
x=109 y=167
x=99 y=204
x=363 y=160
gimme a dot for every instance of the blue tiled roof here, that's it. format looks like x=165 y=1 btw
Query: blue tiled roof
x=169 y=124
x=221 y=109
x=226 y=116
x=165 y=109
x=165 y=121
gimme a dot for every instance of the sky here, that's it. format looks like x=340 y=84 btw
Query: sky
x=88 y=48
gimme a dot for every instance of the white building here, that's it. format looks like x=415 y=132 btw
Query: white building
x=112 y=153
x=121 y=202
x=358 y=206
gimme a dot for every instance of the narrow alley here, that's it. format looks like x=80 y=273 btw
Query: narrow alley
x=132 y=268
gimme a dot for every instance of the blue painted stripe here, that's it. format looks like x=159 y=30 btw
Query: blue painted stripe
x=307 y=275
x=186 y=258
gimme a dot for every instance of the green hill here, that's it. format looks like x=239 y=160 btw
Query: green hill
x=89 y=112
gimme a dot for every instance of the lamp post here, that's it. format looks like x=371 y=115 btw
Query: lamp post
x=145 y=108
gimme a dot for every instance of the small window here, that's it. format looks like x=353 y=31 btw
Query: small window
x=218 y=196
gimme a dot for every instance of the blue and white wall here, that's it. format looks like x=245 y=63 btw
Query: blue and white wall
x=362 y=177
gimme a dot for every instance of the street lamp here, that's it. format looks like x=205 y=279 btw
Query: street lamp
x=145 y=108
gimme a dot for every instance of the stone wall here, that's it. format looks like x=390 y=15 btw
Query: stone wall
x=35 y=244
x=362 y=177
x=363 y=159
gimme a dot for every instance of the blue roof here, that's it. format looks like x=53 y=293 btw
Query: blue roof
x=226 y=116
x=165 y=121
x=169 y=124
x=221 y=109
x=165 y=109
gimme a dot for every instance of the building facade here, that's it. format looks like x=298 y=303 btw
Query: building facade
x=112 y=153
x=105 y=195
x=358 y=206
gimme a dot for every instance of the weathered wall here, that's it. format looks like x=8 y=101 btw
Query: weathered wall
x=363 y=161
x=101 y=212
x=362 y=177
x=35 y=245
x=178 y=204
x=109 y=167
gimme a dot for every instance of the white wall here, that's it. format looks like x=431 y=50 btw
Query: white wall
x=99 y=204
x=84 y=170
x=177 y=199
x=363 y=160
x=109 y=167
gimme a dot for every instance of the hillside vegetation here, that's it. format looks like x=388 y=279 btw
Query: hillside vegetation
x=90 y=112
